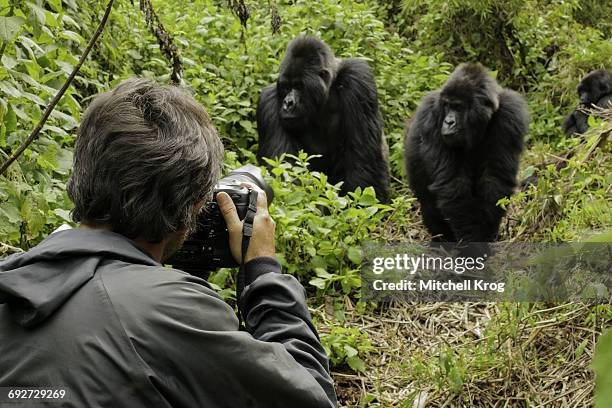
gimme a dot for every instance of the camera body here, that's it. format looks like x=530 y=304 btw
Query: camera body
x=208 y=247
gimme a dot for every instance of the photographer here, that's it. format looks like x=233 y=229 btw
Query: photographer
x=93 y=312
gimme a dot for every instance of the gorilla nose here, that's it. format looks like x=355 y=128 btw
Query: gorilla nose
x=289 y=102
x=288 y=105
x=449 y=122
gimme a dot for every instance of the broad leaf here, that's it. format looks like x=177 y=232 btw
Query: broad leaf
x=9 y=27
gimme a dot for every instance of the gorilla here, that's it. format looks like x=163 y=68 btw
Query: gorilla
x=462 y=153
x=328 y=107
x=594 y=89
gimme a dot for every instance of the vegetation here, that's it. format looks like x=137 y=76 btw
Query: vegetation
x=382 y=355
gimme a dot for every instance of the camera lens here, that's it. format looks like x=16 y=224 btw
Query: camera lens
x=248 y=174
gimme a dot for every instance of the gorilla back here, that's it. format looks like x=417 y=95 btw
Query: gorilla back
x=462 y=154
x=328 y=107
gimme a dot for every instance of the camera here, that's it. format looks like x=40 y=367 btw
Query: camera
x=208 y=247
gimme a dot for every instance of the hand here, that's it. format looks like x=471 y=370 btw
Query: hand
x=262 y=240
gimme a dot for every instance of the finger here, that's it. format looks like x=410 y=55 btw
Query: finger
x=262 y=199
x=228 y=211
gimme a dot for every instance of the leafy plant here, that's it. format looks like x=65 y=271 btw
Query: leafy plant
x=320 y=232
x=347 y=346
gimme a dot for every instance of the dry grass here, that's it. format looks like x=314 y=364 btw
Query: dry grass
x=474 y=355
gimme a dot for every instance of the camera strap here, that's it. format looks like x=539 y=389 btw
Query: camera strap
x=247 y=233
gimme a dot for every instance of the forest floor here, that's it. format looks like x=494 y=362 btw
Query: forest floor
x=474 y=354
x=449 y=354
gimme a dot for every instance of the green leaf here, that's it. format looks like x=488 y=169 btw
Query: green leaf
x=37 y=12
x=603 y=375
x=56 y=5
x=295 y=197
x=63 y=214
x=350 y=351
x=9 y=62
x=8 y=89
x=322 y=273
x=247 y=125
x=64 y=161
x=581 y=347
x=310 y=250
x=528 y=172
x=355 y=255
x=10 y=212
x=356 y=364
x=9 y=27
x=323 y=230
x=10 y=119
x=318 y=282
x=71 y=35
x=134 y=54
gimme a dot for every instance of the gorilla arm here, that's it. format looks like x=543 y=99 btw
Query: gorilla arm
x=605 y=102
x=570 y=124
x=273 y=140
x=363 y=162
x=502 y=151
x=420 y=160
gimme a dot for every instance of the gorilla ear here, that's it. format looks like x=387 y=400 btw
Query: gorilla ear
x=495 y=101
x=494 y=91
x=325 y=75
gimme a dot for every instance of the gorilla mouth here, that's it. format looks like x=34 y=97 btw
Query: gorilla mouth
x=291 y=121
x=290 y=116
x=449 y=131
x=452 y=137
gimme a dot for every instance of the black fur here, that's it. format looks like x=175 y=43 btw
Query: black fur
x=594 y=89
x=332 y=111
x=458 y=178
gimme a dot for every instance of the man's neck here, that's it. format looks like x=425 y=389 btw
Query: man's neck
x=154 y=249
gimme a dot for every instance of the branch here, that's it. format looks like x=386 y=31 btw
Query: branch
x=164 y=39
x=9 y=249
x=59 y=94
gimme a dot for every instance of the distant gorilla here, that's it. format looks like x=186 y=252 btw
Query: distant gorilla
x=594 y=89
x=462 y=155
x=326 y=106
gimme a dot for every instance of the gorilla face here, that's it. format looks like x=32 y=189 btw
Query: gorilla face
x=301 y=94
x=595 y=86
x=465 y=118
x=467 y=102
x=304 y=81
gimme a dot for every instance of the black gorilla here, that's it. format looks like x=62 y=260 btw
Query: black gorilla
x=329 y=107
x=462 y=155
x=594 y=89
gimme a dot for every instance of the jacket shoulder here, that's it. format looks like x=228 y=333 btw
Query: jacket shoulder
x=140 y=294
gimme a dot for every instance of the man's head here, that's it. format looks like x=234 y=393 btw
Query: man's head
x=145 y=158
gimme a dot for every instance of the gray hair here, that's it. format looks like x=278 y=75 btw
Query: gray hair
x=145 y=155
